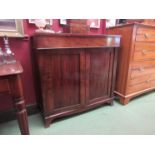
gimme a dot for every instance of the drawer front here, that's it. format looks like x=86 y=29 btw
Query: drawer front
x=4 y=86
x=145 y=34
x=141 y=71
x=142 y=79
x=141 y=83
x=145 y=64
x=138 y=87
x=144 y=51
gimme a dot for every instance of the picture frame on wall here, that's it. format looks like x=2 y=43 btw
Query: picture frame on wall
x=111 y=22
x=63 y=21
x=48 y=21
x=11 y=27
x=94 y=23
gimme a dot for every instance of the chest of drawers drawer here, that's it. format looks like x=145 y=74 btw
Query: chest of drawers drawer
x=142 y=76
x=141 y=83
x=4 y=86
x=146 y=78
x=141 y=71
x=138 y=87
x=144 y=51
x=138 y=64
x=145 y=34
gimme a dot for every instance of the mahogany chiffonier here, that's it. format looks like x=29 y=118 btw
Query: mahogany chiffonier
x=74 y=72
x=136 y=60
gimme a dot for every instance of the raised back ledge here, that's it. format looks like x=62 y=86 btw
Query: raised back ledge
x=132 y=24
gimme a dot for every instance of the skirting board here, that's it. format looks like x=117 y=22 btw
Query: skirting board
x=9 y=115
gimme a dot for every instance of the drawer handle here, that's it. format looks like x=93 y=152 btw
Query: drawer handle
x=144 y=51
x=147 y=81
x=141 y=69
x=146 y=35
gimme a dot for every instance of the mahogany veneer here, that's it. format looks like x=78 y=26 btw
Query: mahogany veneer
x=74 y=72
x=136 y=60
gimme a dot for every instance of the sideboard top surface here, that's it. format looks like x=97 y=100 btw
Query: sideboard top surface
x=67 y=40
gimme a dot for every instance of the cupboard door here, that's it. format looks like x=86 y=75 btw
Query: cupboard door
x=99 y=64
x=62 y=79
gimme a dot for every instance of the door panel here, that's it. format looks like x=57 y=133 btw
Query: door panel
x=98 y=77
x=61 y=73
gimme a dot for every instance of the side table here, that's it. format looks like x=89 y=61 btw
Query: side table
x=10 y=82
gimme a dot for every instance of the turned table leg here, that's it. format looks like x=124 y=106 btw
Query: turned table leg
x=19 y=103
x=21 y=115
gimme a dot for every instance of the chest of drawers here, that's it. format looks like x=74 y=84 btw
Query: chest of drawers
x=136 y=60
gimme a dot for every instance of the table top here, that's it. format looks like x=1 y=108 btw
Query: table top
x=11 y=69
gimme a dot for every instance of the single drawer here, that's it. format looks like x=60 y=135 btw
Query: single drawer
x=4 y=86
x=146 y=64
x=145 y=34
x=138 y=87
x=144 y=51
x=141 y=71
x=141 y=83
x=142 y=79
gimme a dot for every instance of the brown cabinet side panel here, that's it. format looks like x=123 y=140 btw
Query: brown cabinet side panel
x=124 y=55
